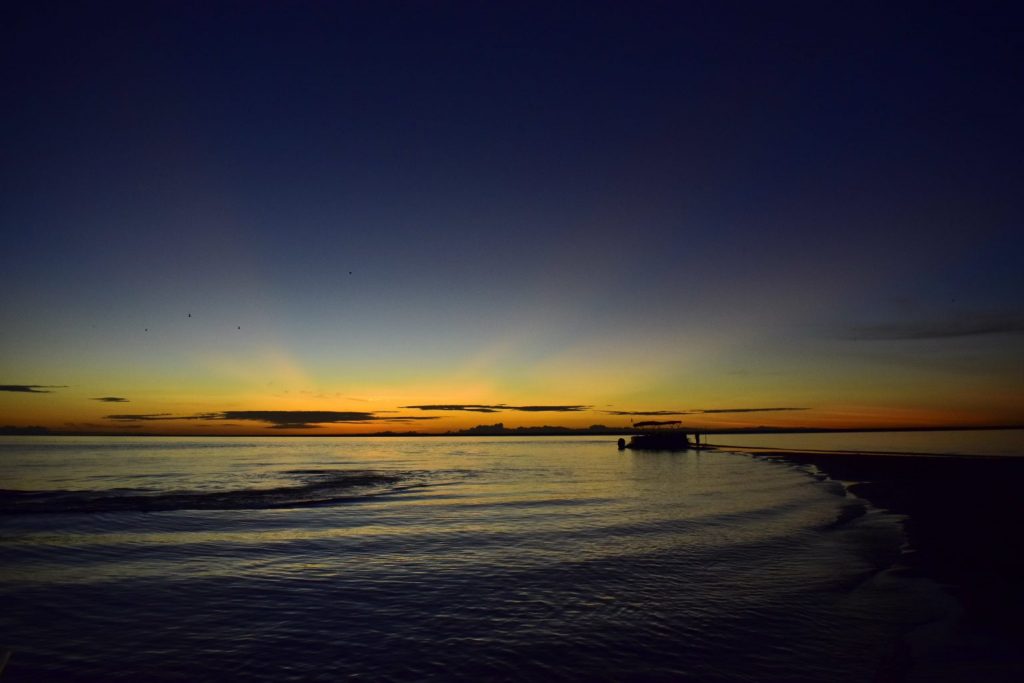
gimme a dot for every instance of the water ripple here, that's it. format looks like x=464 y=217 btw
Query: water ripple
x=322 y=487
x=512 y=560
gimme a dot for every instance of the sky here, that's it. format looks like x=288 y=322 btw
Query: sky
x=319 y=218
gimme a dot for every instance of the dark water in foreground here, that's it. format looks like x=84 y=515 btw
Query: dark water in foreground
x=390 y=559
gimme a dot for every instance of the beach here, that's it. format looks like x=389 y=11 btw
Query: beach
x=962 y=517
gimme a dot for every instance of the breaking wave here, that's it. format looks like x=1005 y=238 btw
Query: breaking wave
x=316 y=488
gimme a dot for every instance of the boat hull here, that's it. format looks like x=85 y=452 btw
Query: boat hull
x=660 y=442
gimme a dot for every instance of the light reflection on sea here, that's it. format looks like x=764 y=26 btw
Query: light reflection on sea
x=514 y=559
x=959 y=442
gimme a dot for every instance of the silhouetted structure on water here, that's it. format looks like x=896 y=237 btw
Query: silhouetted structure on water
x=660 y=435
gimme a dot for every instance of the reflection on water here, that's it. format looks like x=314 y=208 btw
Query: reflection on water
x=510 y=558
x=972 y=442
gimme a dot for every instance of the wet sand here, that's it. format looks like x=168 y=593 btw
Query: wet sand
x=964 y=525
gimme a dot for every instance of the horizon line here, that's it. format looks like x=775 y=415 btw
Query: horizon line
x=554 y=430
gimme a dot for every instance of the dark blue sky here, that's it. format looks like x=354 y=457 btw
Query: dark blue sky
x=781 y=172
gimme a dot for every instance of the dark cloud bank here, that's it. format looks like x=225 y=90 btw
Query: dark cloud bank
x=314 y=419
x=498 y=407
x=645 y=413
x=143 y=417
x=110 y=399
x=711 y=411
x=743 y=410
x=275 y=419
x=308 y=419
x=32 y=388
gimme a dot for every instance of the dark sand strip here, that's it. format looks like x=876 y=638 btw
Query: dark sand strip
x=965 y=527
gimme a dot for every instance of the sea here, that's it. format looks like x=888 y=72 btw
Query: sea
x=419 y=559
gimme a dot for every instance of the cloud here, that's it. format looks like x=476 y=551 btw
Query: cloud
x=32 y=388
x=297 y=419
x=745 y=410
x=111 y=399
x=498 y=407
x=709 y=411
x=472 y=408
x=145 y=417
x=965 y=326
x=307 y=419
x=549 y=409
x=275 y=419
x=646 y=413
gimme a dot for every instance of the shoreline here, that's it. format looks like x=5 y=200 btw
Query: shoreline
x=963 y=518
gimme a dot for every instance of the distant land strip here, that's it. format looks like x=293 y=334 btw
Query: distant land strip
x=492 y=430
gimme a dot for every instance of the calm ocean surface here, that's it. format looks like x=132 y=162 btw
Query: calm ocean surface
x=280 y=559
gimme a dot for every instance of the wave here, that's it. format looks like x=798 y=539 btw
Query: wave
x=322 y=487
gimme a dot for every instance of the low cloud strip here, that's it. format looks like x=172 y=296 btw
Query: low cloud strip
x=499 y=407
x=274 y=419
x=32 y=388
x=967 y=326
x=709 y=411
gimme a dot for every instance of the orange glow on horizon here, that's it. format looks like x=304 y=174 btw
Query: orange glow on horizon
x=202 y=421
